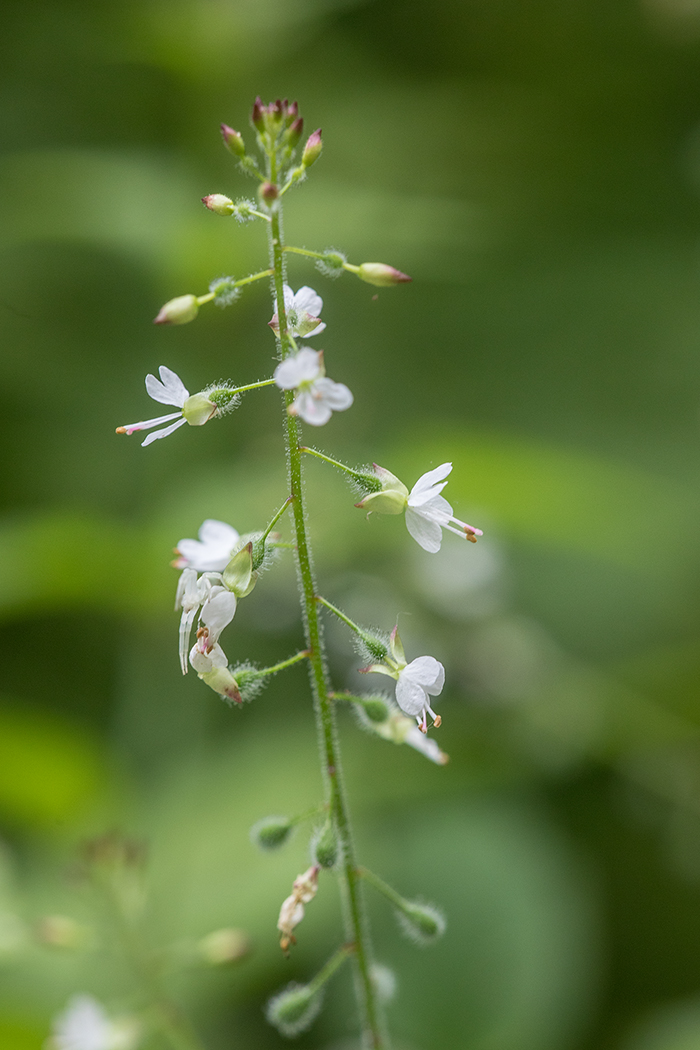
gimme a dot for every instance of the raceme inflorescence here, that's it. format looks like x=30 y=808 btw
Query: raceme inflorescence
x=221 y=568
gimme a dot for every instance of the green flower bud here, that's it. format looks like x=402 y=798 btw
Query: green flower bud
x=198 y=409
x=294 y=1009
x=376 y=709
x=238 y=574
x=181 y=310
x=392 y=497
x=233 y=141
x=312 y=149
x=381 y=275
x=218 y=203
x=271 y=832
x=422 y=923
x=325 y=846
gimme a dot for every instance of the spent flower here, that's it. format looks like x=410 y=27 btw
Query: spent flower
x=292 y=910
x=317 y=396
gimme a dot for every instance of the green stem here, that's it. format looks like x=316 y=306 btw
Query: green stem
x=327 y=459
x=303 y=251
x=308 y=814
x=333 y=964
x=276 y=518
x=341 y=616
x=282 y=665
x=353 y=906
x=253 y=386
x=253 y=277
x=382 y=886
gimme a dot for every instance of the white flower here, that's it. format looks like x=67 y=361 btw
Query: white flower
x=303 y=310
x=427 y=512
x=196 y=409
x=84 y=1025
x=415 y=682
x=317 y=396
x=400 y=729
x=217 y=602
x=211 y=552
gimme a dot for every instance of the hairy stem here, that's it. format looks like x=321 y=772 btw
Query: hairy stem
x=357 y=931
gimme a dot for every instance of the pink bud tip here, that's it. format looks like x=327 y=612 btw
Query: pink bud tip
x=233 y=140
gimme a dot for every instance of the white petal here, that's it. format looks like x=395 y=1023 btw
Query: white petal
x=186 y=621
x=426 y=745
x=303 y=367
x=83 y=1026
x=424 y=531
x=319 y=328
x=147 y=424
x=288 y=299
x=311 y=409
x=419 y=499
x=410 y=696
x=170 y=390
x=218 y=611
x=307 y=299
x=219 y=533
x=164 y=432
x=336 y=395
x=431 y=477
x=427 y=672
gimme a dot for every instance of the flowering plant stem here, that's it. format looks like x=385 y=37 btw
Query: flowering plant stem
x=356 y=924
x=381 y=886
x=341 y=616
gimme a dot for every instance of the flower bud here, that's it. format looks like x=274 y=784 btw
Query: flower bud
x=198 y=409
x=293 y=132
x=271 y=832
x=375 y=707
x=381 y=275
x=291 y=111
x=268 y=192
x=257 y=114
x=222 y=682
x=224 y=946
x=373 y=645
x=178 y=311
x=238 y=574
x=218 y=203
x=233 y=141
x=312 y=149
x=325 y=846
x=392 y=497
x=422 y=923
x=294 y=1009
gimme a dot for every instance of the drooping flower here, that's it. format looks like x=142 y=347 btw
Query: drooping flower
x=211 y=664
x=218 y=606
x=415 y=682
x=292 y=910
x=195 y=409
x=317 y=396
x=84 y=1025
x=303 y=309
x=211 y=552
x=427 y=512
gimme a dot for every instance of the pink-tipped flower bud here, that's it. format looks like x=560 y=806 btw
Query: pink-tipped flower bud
x=178 y=311
x=291 y=111
x=312 y=149
x=233 y=141
x=381 y=275
x=218 y=203
x=293 y=133
x=257 y=114
x=268 y=192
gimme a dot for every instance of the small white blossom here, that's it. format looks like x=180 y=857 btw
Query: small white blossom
x=303 y=309
x=218 y=606
x=196 y=409
x=427 y=512
x=317 y=396
x=415 y=682
x=211 y=552
x=84 y=1025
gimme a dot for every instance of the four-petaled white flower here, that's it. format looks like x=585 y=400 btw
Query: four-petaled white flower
x=84 y=1025
x=195 y=409
x=211 y=552
x=303 y=310
x=317 y=396
x=415 y=682
x=218 y=606
x=427 y=512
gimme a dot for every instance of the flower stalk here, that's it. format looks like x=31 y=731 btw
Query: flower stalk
x=355 y=918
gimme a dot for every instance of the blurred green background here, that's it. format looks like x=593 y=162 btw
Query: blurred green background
x=536 y=167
